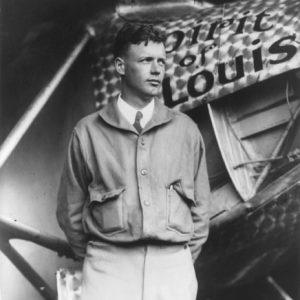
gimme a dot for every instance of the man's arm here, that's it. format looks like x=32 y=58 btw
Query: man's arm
x=72 y=195
x=200 y=212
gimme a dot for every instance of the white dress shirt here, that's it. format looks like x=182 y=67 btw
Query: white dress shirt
x=129 y=112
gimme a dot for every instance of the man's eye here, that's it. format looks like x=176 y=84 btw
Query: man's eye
x=147 y=60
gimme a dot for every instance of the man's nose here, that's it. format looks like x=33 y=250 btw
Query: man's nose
x=155 y=68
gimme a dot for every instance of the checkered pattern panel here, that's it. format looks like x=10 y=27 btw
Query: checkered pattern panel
x=212 y=52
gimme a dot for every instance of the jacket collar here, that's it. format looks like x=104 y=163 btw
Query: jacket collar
x=112 y=116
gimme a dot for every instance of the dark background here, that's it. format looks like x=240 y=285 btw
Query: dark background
x=36 y=35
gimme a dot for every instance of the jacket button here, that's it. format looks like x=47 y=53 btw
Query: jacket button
x=143 y=142
x=147 y=203
x=144 y=172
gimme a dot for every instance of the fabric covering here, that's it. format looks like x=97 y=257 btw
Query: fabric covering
x=211 y=52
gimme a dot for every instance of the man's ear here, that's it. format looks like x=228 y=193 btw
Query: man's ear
x=119 y=65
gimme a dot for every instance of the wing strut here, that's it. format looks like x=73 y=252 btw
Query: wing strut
x=41 y=99
x=12 y=229
x=282 y=294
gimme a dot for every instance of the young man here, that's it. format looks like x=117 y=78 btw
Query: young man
x=133 y=200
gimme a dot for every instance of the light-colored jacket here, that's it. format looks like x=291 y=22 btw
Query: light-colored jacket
x=123 y=187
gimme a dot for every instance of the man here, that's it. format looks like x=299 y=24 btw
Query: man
x=133 y=200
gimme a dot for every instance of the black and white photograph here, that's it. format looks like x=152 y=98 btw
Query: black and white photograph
x=150 y=150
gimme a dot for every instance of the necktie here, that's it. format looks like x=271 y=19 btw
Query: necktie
x=137 y=121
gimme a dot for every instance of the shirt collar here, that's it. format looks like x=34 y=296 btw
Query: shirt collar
x=129 y=112
x=111 y=115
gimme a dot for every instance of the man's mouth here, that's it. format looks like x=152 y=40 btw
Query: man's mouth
x=154 y=82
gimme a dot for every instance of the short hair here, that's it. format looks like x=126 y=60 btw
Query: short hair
x=133 y=33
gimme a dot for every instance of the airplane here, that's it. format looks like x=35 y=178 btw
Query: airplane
x=233 y=67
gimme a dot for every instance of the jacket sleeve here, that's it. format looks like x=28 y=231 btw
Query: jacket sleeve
x=71 y=197
x=200 y=212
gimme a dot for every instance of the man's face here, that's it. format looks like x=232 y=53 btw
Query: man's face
x=144 y=69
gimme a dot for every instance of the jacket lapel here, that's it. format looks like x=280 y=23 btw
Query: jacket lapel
x=112 y=116
x=161 y=115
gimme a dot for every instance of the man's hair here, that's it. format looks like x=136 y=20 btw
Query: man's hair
x=136 y=34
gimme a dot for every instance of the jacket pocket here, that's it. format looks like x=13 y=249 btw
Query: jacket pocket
x=107 y=210
x=179 y=202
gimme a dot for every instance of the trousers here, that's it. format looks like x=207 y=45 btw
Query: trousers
x=148 y=272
